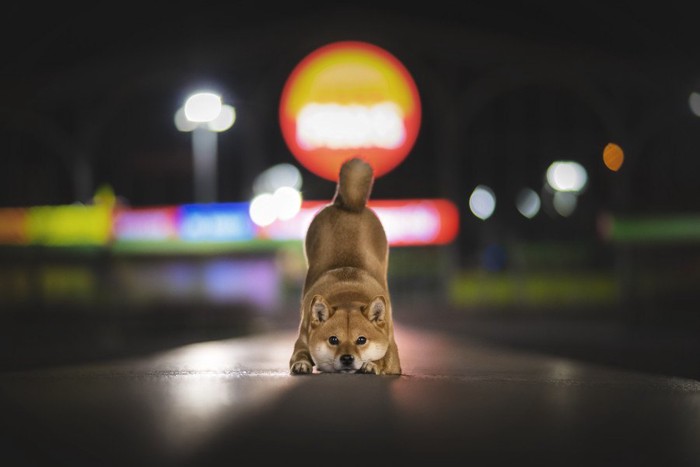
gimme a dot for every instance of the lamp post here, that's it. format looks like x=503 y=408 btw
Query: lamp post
x=204 y=115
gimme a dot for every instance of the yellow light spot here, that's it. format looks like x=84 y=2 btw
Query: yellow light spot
x=613 y=156
x=104 y=196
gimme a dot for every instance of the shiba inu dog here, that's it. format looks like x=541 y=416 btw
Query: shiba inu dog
x=346 y=317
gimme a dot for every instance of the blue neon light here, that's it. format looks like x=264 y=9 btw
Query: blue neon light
x=221 y=222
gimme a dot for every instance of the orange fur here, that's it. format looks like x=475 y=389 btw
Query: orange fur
x=346 y=316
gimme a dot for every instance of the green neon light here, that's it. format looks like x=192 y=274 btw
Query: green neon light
x=655 y=229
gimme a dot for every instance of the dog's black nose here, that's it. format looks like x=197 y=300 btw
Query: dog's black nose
x=347 y=359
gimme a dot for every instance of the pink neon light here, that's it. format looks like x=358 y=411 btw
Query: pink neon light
x=406 y=222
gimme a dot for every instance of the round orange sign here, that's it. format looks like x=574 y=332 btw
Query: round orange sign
x=350 y=99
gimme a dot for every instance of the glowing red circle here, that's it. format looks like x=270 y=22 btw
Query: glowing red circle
x=350 y=99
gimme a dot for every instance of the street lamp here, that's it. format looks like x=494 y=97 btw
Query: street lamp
x=204 y=115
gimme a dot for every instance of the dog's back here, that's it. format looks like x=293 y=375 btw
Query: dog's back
x=346 y=233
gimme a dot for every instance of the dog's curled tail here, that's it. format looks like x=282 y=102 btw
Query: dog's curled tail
x=354 y=185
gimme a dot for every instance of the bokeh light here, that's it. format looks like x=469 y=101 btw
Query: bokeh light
x=182 y=123
x=203 y=107
x=277 y=176
x=567 y=176
x=694 y=103
x=564 y=203
x=528 y=202
x=220 y=122
x=223 y=121
x=482 y=202
x=349 y=98
x=613 y=156
x=287 y=202
x=283 y=204
x=262 y=209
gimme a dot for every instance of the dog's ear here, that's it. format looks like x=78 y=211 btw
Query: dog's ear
x=320 y=311
x=376 y=311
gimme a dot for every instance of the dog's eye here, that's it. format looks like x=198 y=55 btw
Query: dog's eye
x=333 y=340
x=361 y=340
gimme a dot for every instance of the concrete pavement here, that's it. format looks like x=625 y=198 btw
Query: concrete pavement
x=232 y=402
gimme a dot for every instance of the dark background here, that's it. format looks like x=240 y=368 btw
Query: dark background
x=88 y=93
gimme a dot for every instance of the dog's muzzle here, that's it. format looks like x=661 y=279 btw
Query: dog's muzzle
x=347 y=361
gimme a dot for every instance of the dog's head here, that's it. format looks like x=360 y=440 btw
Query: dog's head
x=345 y=336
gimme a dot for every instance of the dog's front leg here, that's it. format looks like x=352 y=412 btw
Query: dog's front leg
x=301 y=362
x=388 y=365
x=370 y=368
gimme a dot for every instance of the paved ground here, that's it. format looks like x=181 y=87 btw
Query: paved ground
x=461 y=400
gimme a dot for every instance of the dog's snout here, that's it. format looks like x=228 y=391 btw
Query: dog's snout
x=347 y=359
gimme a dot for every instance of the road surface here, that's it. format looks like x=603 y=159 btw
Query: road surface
x=232 y=402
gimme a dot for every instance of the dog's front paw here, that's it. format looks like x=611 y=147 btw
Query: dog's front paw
x=369 y=368
x=301 y=368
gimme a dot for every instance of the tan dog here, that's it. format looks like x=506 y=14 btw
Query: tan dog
x=346 y=322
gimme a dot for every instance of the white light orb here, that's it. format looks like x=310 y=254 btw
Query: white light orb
x=182 y=123
x=694 y=103
x=287 y=202
x=567 y=176
x=262 y=210
x=225 y=120
x=528 y=203
x=203 y=107
x=277 y=176
x=565 y=203
x=482 y=202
